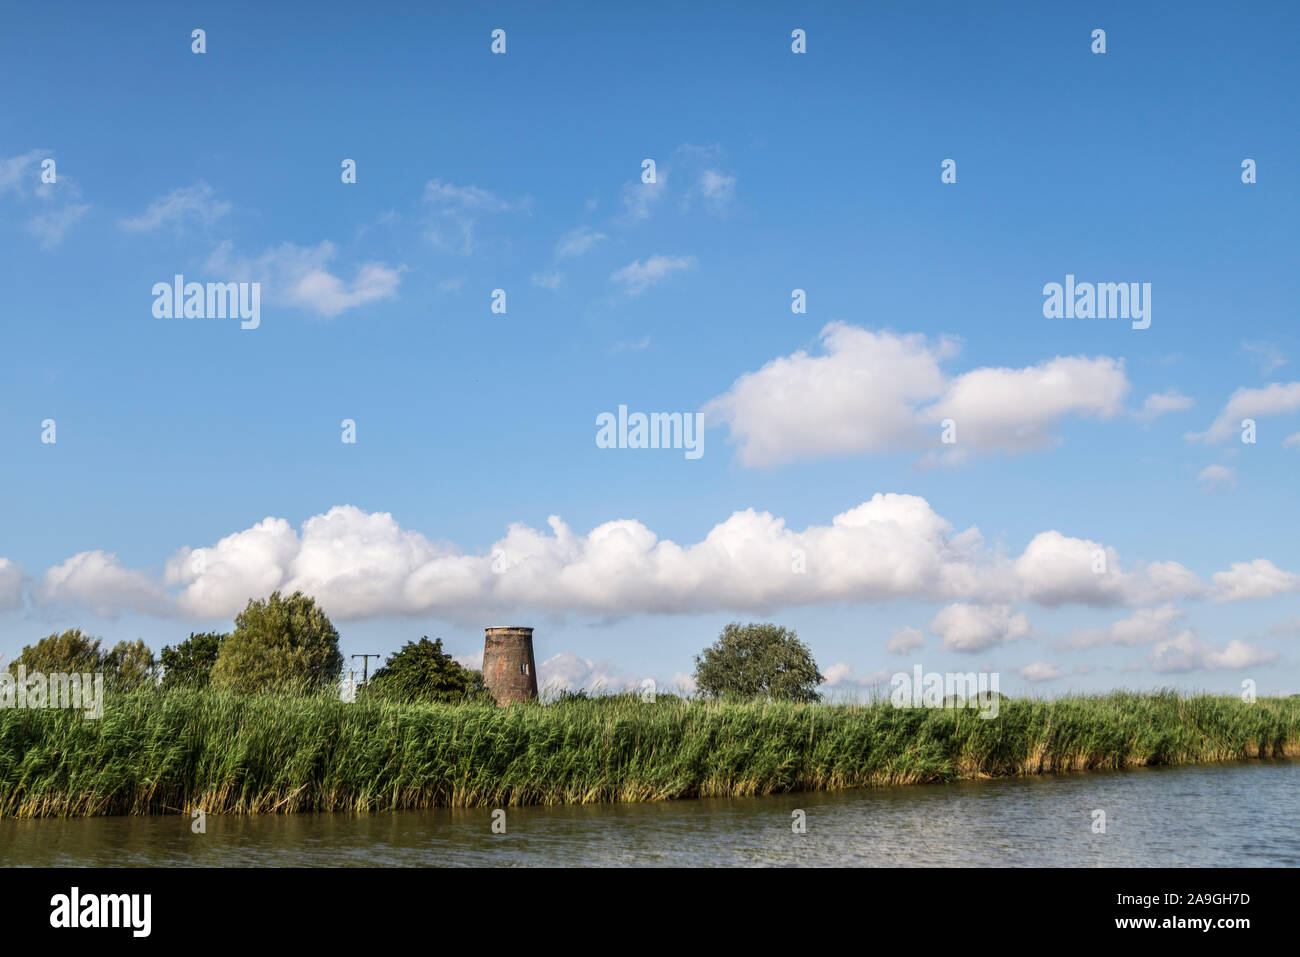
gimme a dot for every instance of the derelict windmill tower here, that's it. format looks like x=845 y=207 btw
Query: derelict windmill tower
x=509 y=671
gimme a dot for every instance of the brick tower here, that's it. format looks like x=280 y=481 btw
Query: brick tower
x=508 y=667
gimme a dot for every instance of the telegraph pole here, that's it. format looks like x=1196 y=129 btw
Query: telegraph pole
x=365 y=666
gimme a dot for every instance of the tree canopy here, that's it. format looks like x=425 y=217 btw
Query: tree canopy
x=758 y=660
x=190 y=663
x=279 y=644
x=422 y=671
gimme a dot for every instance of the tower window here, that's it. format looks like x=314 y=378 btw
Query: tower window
x=523 y=667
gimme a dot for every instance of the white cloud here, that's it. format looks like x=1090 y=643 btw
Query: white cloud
x=1040 y=671
x=682 y=683
x=297 y=276
x=971 y=628
x=365 y=565
x=1274 y=399
x=1162 y=403
x=1217 y=477
x=1292 y=441
x=1186 y=652
x=840 y=675
x=880 y=391
x=11 y=584
x=1250 y=580
x=21 y=174
x=1056 y=569
x=99 y=581
x=60 y=203
x=904 y=640
x=578 y=242
x=50 y=225
x=718 y=189
x=640 y=199
x=454 y=213
x=195 y=202
x=1144 y=627
x=569 y=672
x=636 y=276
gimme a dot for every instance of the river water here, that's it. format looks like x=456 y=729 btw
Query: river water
x=1214 y=815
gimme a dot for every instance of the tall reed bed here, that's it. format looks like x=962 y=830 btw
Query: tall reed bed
x=156 y=752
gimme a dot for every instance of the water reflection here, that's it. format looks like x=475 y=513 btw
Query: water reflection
x=1218 y=815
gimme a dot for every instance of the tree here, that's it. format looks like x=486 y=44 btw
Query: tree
x=127 y=665
x=72 y=651
x=758 y=660
x=130 y=664
x=422 y=671
x=279 y=644
x=189 y=664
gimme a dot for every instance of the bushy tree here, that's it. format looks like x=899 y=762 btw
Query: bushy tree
x=279 y=644
x=129 y=665
x=422 y=671
x=189 y=664
x=72 y=651
x=758 y=660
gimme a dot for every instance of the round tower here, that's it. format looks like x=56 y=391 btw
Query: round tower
x=509 y=671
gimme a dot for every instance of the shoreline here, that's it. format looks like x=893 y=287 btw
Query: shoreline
x=156 y=752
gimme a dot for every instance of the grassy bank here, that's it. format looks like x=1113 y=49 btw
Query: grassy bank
x=155 y=752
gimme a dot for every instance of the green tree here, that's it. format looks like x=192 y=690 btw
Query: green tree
x=189 y=664
x=72 y=651
x=422 y=671
x=128 y=665
x=279 y=644
x=758 y=660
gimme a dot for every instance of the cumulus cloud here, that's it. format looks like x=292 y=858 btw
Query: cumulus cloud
x=1274 y=399
x=841 y=675
x=189 y=203
x=880 y=391
x=637 y=276
x=1145 y=626
x=569 y=672
x=1257 y=579
x=11 y=584
x=297 y=276
x=971 y=628
x=1162 y=403
x=1040 y=671
x=904 y=640
x=365 y=564
x=98 y=581
x=1186 y=652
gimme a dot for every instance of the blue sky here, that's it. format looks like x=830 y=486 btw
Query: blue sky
x=775 y=171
